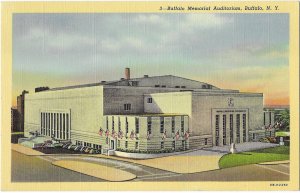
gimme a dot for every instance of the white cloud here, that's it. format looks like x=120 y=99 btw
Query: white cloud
x=149 y=19
x=205 y=21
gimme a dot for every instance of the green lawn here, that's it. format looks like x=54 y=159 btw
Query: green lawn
x=258 y=156
x=282 y=134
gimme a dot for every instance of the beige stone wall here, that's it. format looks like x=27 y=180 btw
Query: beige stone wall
x=175 y=102
x=85 y=106
x=203 y=105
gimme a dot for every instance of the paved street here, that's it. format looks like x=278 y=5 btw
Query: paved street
x=39 y=168
x=34 y=169
x=253 y=172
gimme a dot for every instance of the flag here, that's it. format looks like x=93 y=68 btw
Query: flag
x=100 y=131
x=113 y=134
x=177 y=135
x=187 y=135
x=131 y=135
x=107 y=133
x=120 y=134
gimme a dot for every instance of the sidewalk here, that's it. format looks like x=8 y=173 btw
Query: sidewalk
x=275 y=162
x=25 y=150
x=96 y=170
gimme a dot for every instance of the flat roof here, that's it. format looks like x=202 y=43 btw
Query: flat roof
x=150 y=115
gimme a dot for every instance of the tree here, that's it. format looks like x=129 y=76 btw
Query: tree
x=283 y=120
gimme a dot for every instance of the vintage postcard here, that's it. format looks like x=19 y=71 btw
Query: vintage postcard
x=150 y=96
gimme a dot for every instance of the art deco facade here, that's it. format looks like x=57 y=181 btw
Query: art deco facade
x=159 y=113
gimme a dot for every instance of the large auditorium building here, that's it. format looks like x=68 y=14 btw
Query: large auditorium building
x=148 y=114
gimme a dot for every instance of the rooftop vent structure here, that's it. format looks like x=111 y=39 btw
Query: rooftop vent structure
x=127 y=73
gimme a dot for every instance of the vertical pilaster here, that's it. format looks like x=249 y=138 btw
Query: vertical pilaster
x=221 y=130
x=241 y=128
x=69 y=120
x=228 y=129
x=247 y=127
x=66 y=124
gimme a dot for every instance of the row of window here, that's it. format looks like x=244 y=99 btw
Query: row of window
x=162 y=144
x=149 y=124
x=55 y=124
x=94 y=146
x=217 y=128
x=164 y=86
x=137 y=124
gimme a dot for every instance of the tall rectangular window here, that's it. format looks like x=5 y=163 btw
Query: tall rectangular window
x=238 y=128
x=44 y=124
x=224 y=129
x=137 y=125
x=106 y=122
x=112 y=123
x=244 y=127
x=64 y=126
x=217 y=125
x=182 y=124
x=173 y=124
x=127 y=107
x=149 y=100
x=162 y=145
x=231 y=127
x=149 y=123
x=136 y=145
x=270 y=118
x=57 y=124
x=48 y=128
x=41 y=121
x=126 y=144
x=264 y=118
x=173 y=144
x=119 y=124
x=54 y=124
x=162 y=123
x=67 y=127
x=126 y=125
x=60 y=125
x=51 y=129
x=217 y=129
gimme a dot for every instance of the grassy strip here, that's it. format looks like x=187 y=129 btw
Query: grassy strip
x=282 y=134
x=254 y=157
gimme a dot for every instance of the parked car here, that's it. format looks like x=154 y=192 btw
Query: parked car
x=98 y=151
x=92 y=151
x=87 y=150
x=82 y=148
x=66 y=145
x=49 y=145
x=43 y=145
x=77 y=148
x=71 y=147
x=58 y=145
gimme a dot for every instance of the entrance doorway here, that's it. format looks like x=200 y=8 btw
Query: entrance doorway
x=112 y=144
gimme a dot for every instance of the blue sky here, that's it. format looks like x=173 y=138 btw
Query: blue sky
x=235 y=51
